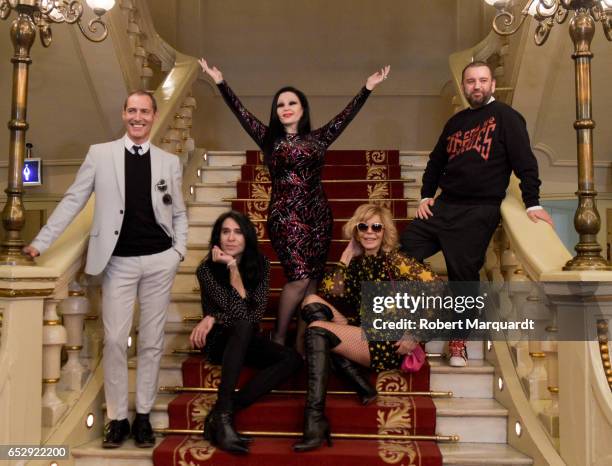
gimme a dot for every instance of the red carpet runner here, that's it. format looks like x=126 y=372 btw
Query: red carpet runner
x=364 y=175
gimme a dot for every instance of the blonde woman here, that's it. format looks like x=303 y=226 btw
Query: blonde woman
x=371 y=255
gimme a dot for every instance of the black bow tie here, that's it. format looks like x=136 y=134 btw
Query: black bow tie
x=136 y=150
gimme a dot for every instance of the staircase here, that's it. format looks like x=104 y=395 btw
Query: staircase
x=472 y=413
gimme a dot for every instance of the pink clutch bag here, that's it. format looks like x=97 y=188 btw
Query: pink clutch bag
x=413 y=362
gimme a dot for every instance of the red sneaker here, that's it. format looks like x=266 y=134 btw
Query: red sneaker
x=458 y=353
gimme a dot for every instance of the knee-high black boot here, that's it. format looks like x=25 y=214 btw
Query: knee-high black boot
x=319 y=342
x=352 y=373
x=345 y=367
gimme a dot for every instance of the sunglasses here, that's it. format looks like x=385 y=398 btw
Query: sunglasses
x=376 y=227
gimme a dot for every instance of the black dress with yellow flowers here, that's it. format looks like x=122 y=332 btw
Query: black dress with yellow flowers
x=342 y=288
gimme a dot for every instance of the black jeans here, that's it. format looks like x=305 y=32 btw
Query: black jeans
x=241 y=345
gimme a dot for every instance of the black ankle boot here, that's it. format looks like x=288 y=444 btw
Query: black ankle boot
x=208 y=428
x=352 y=373
x=319 y=342
x=219 y=431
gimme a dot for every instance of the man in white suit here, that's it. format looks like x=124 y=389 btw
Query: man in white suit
x=137 y=240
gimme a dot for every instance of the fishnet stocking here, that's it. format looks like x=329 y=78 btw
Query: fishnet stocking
x=353 y=346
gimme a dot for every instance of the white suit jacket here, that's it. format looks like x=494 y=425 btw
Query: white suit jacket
x=103 y=173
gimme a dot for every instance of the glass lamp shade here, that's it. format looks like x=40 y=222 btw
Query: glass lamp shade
x=101 y=4
x=607 y=3
x=497 y=3
x=534 y=7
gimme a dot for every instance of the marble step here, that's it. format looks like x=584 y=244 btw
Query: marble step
x=482 y=454
x=184 y=305
x=473 y=381
x=225 y=158
x=195 y=253
x=206 y=211
x=199 y=231
x=214 y=192
x=176 y=336
x=482 y=420
x=212 y=174
x=457 y=454
x=169 y=375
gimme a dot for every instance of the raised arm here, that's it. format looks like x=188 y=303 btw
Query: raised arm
x=330 y=132
x=255 y=128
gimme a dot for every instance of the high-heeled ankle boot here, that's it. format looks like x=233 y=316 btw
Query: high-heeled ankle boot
x=347 y=369
x=208 y=428
x=319 y=342
x=220 y=432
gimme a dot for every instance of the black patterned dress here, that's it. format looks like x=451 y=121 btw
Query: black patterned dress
x=341 y=287
x=299 y=217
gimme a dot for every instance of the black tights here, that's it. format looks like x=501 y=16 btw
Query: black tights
x=291 y=296
x=241 y=345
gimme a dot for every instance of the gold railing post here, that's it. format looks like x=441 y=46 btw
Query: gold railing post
x=23 y=33
x=586 y=220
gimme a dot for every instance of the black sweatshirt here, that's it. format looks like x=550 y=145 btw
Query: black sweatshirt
x=476 y=152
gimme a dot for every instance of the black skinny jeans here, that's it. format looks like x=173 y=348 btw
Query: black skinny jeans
x=241 y=345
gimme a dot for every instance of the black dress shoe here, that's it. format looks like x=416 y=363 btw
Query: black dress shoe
x=142 y=431
x=115 y=433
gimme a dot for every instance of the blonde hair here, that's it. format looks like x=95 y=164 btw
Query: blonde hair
x=366 y=211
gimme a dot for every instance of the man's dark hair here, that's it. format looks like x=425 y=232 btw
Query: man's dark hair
x=476 y=64
x=141 y=92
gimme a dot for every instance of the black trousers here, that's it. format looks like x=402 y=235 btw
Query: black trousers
x=239 y=345
x=462 y=233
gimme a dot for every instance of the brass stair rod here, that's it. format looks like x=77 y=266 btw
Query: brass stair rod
x=351 y=180
x=197 y=351
x=361 y=199
x=433 y=394
x=434 y=438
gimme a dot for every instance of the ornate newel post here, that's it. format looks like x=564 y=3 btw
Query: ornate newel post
x=586 y=220
x=23 y=33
